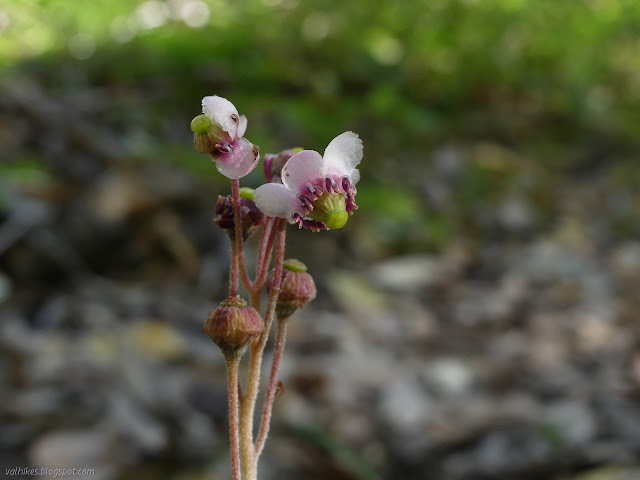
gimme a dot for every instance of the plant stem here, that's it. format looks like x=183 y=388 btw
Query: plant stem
x=233 y=274
x=237 y=218
x=247 y=450
x=234 y=428
x=273 y=386
x=264 y=249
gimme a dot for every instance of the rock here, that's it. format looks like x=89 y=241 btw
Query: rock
x=156 y=339
x=515 y=214
x=405 y=274
x=448 y=376
x=6 y=287
x=404 y=406
x=573 y=421
x=625 y=260
x=79 y=449
x=135 y=426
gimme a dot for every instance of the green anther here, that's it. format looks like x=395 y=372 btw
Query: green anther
x=330 y=208
x=200 y=124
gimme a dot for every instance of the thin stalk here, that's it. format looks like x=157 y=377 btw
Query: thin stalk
x=273 y=386
x=263 y=266
x=233 y=273
x=266 y=244
x=247 y=448
x=233 y=361
x=237 y=218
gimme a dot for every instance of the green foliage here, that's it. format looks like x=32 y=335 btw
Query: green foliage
x=542 y=76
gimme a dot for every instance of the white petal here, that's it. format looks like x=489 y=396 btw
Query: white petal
x=343 y=154
x=275 y=200
x=222 y=111
x=242 y=126
x=302 y=168
x=355 y=176
x=240 y=161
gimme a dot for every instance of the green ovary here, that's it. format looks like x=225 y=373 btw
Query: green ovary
x=330 y=208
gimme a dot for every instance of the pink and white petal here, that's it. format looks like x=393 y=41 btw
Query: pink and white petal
x=276 y=200
x=302 y=168
x=343 y=154
x=240 y=161
x=222 y=112
x=355 y=176
x=242 y=126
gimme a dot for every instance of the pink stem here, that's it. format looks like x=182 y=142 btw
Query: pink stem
x=255 y=361
x=234 y=426
x=265 y=244
x=237 y=218
x=273 y=386
x=233 y=274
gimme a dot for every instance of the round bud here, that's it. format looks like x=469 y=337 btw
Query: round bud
x=297 y=287
x=233 y=325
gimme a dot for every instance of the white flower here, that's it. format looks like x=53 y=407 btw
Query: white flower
x=234 y=155
x=317 y=192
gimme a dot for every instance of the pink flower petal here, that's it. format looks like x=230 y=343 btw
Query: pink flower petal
x=342 y=155
x=240 y=161
x=242 y=126
x=222 y=112
x=302 y=168
x=276 y=200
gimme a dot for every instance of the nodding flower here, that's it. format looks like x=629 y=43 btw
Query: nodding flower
x=219 y=132
x=317 y=192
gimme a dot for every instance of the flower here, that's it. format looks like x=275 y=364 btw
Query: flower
x=219 y=132
x=317 y=192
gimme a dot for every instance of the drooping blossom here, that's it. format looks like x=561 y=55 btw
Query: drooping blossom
x=219 y=132
x=317 y=192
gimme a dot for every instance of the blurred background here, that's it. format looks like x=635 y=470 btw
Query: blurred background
x=477 y=318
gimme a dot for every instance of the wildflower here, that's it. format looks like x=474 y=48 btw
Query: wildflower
x=219 y=132
x=317 y=192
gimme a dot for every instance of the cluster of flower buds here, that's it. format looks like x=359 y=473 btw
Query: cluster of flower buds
x=252 y=217
x=297 y=288
x=233 y=325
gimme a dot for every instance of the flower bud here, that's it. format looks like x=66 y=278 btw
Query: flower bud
x=233 y=325
x=297 y=287
x=252 y=216
x=273 y=163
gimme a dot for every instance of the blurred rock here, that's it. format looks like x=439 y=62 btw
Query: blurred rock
x=572 y=421
x=79 y=449
x=405 y=274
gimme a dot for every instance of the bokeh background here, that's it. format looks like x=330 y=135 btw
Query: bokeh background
x=477 y=318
